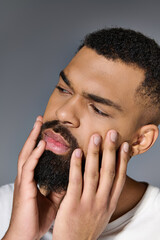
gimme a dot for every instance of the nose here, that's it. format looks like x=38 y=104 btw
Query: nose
x=68 y=113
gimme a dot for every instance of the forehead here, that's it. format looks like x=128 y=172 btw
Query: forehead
x=118 y=81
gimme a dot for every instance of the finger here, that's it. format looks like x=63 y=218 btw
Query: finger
x=30 y=164
x=120 y=178
x=91 y=174
x=29 y=144
x=107 y=171
x=74 y=189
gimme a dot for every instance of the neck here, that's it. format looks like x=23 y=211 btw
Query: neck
x=132 y=193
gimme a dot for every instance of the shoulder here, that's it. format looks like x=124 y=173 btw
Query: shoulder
x=142 y=222
x=147 y=215
x=154 y=193
x=150 y=202
x=6 y=199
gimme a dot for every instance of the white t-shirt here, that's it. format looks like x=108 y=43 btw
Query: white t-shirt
x=141 y=223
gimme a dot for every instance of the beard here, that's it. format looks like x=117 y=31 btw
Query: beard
x=52 y=170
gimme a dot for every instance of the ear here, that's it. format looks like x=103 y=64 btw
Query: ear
x=144 y=138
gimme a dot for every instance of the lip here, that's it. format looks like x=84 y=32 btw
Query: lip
x=55 y=142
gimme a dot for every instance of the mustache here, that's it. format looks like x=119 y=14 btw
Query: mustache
x=57 y=127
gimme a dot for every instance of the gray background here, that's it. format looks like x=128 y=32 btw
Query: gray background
x=37 y=39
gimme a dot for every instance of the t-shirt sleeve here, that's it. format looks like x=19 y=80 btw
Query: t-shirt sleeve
x=6 y=199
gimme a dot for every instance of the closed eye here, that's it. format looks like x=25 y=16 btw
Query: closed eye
x=62 y=90
x=99 y=112
x=96 y=110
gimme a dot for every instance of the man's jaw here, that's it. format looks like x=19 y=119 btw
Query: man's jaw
x=55 y=142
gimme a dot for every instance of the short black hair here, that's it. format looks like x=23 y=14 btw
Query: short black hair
x=132 y=47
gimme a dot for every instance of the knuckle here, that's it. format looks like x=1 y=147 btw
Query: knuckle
x=109 y=172
x=102 y=204
x=86 y=206
x=122 y=175
x=93 y=185
x=75 y=165
x=109 y=148
x=93 y=175
x=24 y=168
x=92 y=154
x=75 y=181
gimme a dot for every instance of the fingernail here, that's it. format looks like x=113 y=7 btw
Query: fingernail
x=39 y=144
x=38 y=118
x=78 y=153
x=113 y=136
x=97 y=140
x=126 y=147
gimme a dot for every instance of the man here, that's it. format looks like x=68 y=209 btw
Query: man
x=104 y=110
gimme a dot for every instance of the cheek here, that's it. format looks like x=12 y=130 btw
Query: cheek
x=91 y=126
x=88 y=127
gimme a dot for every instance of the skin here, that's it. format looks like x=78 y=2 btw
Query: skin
x=92 y=73
x=97 y=198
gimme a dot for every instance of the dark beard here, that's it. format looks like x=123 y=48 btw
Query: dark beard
x=52 y=170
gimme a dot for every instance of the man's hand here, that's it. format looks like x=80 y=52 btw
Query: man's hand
x=32 y=213
x=90 y=201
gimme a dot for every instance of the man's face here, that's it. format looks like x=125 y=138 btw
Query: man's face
x=91 y=74
x=93 y=95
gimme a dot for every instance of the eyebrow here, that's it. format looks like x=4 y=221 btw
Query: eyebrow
x=93 y=97
x=104 y=101
x=65 y=79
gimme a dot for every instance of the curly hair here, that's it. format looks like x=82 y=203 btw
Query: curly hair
x=132 y=47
